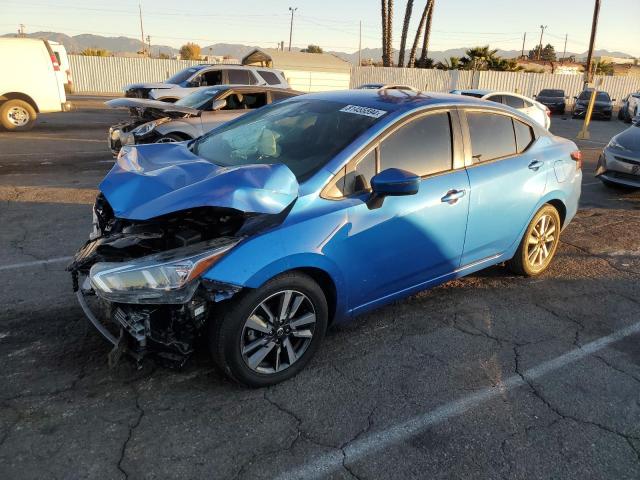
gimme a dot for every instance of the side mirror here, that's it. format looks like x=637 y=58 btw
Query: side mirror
x=218 y=105
x=196 y=82
x=613 y=99
x=392 y=182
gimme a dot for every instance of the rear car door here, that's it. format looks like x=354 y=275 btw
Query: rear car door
x=506 y=180
x=408 y=240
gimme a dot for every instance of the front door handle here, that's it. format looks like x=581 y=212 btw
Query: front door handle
x=535 y=165
x=452 y=196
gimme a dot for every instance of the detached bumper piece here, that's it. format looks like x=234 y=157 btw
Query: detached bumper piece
x=167 y=333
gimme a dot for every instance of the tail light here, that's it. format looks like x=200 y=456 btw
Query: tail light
x=577 y=157
x=548 y=112
x=54 y=61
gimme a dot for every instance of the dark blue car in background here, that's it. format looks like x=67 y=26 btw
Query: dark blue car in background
x=305 y=213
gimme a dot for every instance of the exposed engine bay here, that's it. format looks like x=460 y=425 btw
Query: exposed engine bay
x=166 y=324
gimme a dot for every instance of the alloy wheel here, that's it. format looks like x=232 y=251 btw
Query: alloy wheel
x=541 y=241
x=18 y=116
x=166 y=140
x=278 y=332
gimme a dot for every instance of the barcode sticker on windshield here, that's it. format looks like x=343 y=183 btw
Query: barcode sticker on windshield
x=369 y=112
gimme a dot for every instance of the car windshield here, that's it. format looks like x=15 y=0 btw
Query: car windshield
x=302 y=134
x=551 y=93
x=200 y=99
x=600 y=96
x=182 y=75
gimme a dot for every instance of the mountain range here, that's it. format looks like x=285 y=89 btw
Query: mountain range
x=77 y=43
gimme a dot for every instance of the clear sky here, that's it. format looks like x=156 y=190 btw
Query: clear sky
x=333 y=24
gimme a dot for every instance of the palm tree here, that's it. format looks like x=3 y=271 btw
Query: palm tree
x=383 y=7
x=405 y=30
x=414 y=48
x=479 y=58
x=389 y=33
x=427 y=33
x=452 y=63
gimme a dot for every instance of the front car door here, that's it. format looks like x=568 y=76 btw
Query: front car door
x=507 y=178
x=407 y=241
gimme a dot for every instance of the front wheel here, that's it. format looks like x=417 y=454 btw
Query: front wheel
x=170 y=138
x=17 y=115
x=267 y=335
x=539 y=243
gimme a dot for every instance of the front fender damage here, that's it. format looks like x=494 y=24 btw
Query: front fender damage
x=167 y=333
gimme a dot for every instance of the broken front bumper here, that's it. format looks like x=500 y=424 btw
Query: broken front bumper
x=167 y=332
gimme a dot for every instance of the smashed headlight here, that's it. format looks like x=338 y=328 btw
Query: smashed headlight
x=169 y=277
x=147 y=128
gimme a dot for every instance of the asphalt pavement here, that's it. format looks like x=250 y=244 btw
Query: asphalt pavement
x=490 y=376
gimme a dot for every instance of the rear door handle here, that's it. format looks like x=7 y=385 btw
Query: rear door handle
x=535 y=165
x=452 y=196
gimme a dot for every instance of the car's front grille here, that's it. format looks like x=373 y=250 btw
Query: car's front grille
x=627 y=160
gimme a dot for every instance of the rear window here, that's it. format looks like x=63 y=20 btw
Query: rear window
x=491 y=135
x=551 y=93
x=514 y=102
x=269 y=77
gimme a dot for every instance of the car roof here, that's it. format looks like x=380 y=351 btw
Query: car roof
x=394 y=99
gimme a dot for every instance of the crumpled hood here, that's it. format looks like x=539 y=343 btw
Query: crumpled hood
x=153 y=180
x=127 y=102
x=149 y=85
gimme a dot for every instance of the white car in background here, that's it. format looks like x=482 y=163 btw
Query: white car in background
x=534 y=109
x=64 y=74
x=29 y=82
x=182 y=83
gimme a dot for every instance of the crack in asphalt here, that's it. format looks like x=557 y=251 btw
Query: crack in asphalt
x=565 y=416
x=132 y=427
x=603 y=258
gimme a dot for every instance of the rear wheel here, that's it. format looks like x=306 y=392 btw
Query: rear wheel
x=17 y=115
x=539 y=243
x=268 y=335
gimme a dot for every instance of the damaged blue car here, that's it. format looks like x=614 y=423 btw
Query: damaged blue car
x=267 y=230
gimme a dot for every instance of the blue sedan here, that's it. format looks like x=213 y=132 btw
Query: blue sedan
x=310 y=211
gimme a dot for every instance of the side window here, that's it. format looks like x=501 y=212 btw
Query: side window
x=491 y=136
x=524 y=135
x=514 y=102
x=240 y=77
x=234 y=102
x=269 y=77
x=214 y=77
x=358 y=178
x=255 y=100
x=496 y=98
x=277 y=96
x=423 y=146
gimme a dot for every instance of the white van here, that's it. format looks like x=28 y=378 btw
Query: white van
x=64 y=74
x=29 y=83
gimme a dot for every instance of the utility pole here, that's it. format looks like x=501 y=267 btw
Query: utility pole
x=592 y=41
x=360 y=46
x=542 y=29
x=21 y=33
x=524 y=39
x=564 y=53
x=149 y=43
x=141 y=29
x=292 y=10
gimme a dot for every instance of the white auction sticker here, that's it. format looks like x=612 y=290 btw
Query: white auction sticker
x=358 y=110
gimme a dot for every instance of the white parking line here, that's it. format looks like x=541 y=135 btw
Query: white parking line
x=325 y=464
x=35 y=263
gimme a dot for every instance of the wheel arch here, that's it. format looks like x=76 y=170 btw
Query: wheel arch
x=326 y=283
x=19 y=96
x=560 y=207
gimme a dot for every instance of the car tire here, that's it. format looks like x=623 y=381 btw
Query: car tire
x=530 y=258
x=171 y=138
x=232 y=339
x=17 y=115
